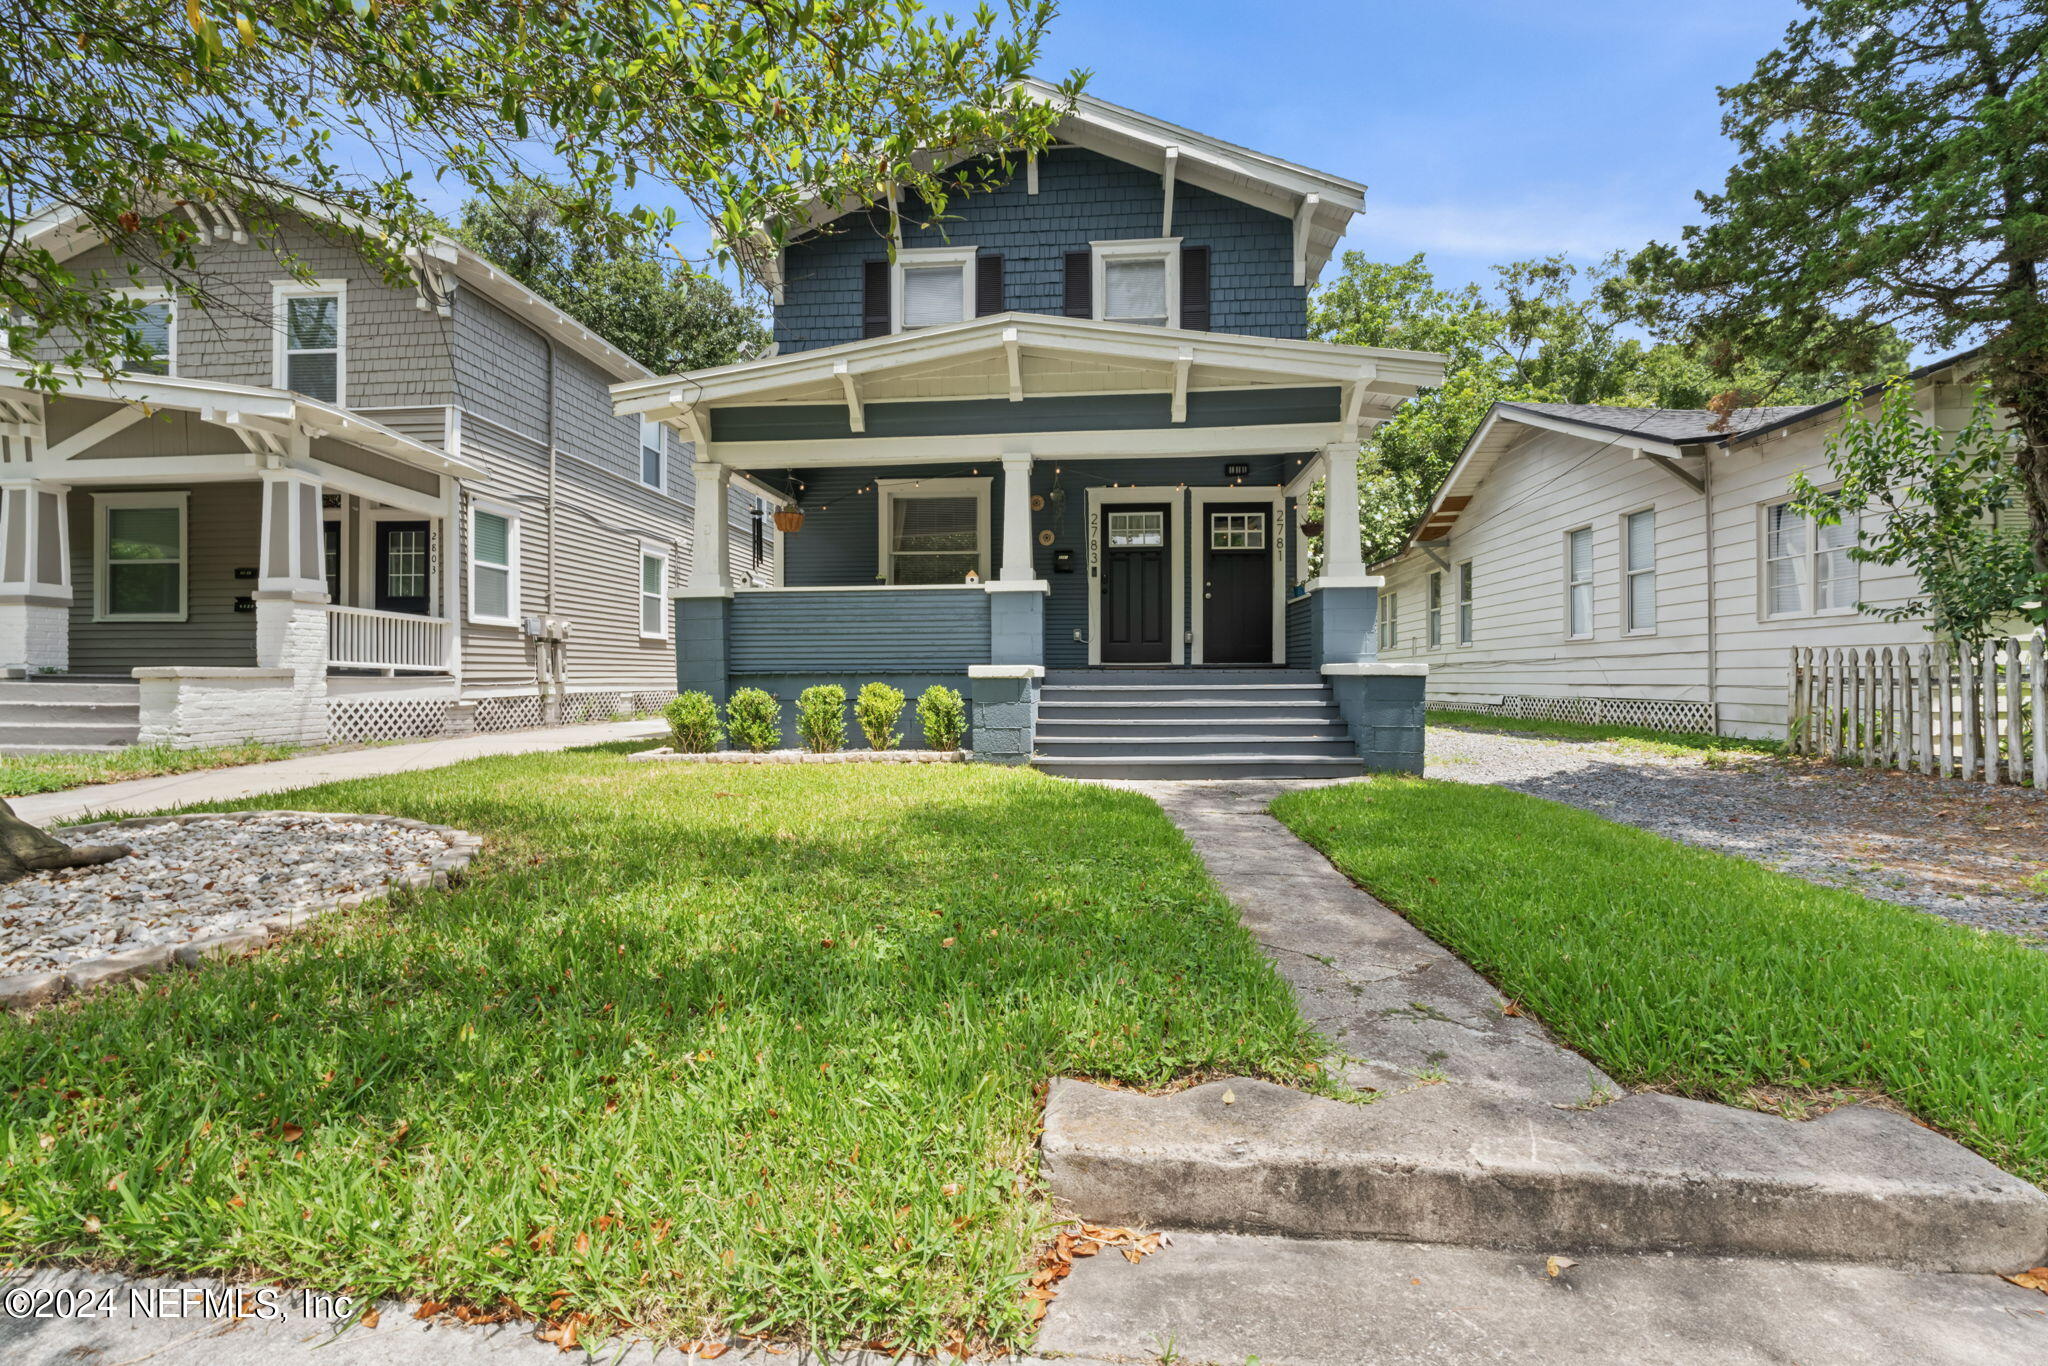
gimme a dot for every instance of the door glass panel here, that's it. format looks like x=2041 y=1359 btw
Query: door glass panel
x=1237 y=531
x=405 y=563
x=1136 y=529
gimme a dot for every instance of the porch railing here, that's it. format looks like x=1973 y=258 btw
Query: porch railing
x=359 y=638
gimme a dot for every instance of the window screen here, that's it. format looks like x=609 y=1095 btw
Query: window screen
x=1135 y=291
x=932 y=295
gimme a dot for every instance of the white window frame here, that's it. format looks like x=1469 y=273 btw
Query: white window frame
x=1166 y=249
x=512 y=530
x=1809 y=562
x=887 y=491
x=281 y=290
x=161 y=294
x=1572 y=629
x=1433 y=610
x=1390 y=622
x=1466 y=605
x=660 y=447
x=102 y=503
x=1630 y=572
x=924 y=258
x=653 y=550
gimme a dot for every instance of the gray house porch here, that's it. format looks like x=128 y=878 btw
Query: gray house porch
x=1120 y=581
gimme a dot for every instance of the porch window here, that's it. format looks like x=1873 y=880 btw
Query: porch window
x=311 y=323
x=1138 y=282
x=1579 y=583
x=934 y=286
x=1639 y=568
x=139 y=558
x=653 y=592
x=934 y=531
x=652 y=465
x=494 y=566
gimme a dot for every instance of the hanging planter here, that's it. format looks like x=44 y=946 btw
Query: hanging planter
x=1311 y=526
x=789 y=519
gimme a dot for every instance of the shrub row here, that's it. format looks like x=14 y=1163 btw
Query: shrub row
x=753 y=719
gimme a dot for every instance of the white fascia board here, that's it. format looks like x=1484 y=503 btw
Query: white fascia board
x=1123 y=444
x=1588 y=432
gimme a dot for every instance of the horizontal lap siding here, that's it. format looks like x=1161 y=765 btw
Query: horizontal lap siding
x=221 y=538
x=935 y=631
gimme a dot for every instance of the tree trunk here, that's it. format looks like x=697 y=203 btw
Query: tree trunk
x=24 y=849
x=2027 y=400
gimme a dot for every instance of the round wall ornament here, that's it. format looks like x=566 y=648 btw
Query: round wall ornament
x=1038 y=502
x=1045 y=536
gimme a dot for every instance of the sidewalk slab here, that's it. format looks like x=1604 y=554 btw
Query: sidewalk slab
x=1211 y=1298
x=139 y=796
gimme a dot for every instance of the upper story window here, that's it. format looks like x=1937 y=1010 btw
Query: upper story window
x=652 y=464
x=1807 y=569
x=1137 y=282
x=933 y=286
x=156 y=332
x=933 y=531
x=312 y=327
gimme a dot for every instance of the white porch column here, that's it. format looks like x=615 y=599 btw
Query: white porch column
x=1017 y=566
x=291 y=597
x=710 y=570
x=1342 y=557
x=35 y=576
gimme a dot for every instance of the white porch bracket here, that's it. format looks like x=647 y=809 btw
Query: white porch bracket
x=1013 y=359
x=1017 y=566
x=1166 y=178
x=856 y=415
x=1304 y=216
x=1675 y=467
x=1183 y=364
x=1354 y=398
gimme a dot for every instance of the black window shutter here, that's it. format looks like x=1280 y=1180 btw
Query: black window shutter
x=874 y=299
x=1194 y=288
x=988 y=283
x=1080 y=290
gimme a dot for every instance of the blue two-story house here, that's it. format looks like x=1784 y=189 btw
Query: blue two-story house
x=1054 y=448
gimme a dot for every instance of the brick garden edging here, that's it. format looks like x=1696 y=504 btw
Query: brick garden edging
x=25 y=991
x=803 y=756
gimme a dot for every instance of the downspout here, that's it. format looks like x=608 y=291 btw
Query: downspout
x=1713 y=635
x=550 y=648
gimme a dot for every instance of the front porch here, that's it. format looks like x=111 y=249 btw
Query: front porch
x=249 y=557
x=943 y=537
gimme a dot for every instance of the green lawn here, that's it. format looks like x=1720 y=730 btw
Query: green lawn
x=757 y=1045
x=1672 y=742
x=21 y=775
x=1687 y=969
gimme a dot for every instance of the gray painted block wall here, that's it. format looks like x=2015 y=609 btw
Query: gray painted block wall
x=1082 y=196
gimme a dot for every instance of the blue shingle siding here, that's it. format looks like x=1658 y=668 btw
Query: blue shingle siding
x=918 y=631
x=1082 y=197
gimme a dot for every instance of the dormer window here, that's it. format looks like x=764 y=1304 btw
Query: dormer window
x=933 y=287
x=156 y=332
x=1138 y=283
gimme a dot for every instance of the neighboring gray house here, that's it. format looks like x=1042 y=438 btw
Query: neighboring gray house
x=340 y=510
x=1052 y=450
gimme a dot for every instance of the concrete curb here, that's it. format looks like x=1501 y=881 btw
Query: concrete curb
x=27 y=991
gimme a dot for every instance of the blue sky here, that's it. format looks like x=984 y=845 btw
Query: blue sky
x=1486 y=130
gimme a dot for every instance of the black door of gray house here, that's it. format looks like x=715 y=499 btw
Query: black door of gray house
x=402 y=553
x=1237 y=584
x=1137 y=576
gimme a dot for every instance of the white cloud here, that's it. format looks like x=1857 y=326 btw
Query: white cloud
x=1510 y=229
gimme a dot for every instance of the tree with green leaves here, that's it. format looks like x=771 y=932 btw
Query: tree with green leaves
x=119 y=113
x=1549 y=331
x=1935 y=498
x=1893 y=175
x=653 y=305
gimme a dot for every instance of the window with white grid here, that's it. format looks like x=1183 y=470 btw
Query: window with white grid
x=1237 y=531
x=934 y=531
x=1465 y=603
x=1808 y=568
x=1579 y=582
x=653 y=592
x=1136 y=530
x=1390 y=621
x=1639 y=569
x=1436 y=610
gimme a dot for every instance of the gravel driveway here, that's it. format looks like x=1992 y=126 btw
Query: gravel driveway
x=1961 y=850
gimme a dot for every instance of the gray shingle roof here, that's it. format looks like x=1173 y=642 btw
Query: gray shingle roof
x=1678 y=425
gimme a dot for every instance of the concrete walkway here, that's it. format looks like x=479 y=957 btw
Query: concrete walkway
x=140 y=795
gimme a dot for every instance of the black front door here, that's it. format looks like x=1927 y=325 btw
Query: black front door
x=1137 y=574
x=1237 y=584
x=402 y=555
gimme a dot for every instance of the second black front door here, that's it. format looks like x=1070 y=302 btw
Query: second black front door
x=402 y=556
x=1237 y=584
x=1137 y=576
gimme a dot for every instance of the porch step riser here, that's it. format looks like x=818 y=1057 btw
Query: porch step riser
x=25 y=692
x=1280 y=693
x=1206 y=766
x=1116 y=678
x=1288 y=727
x=14 y=713
x=1316 y=713
x=1118 y=747
x=69 y=735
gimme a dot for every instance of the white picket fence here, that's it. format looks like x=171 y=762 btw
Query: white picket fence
x=1972 y=711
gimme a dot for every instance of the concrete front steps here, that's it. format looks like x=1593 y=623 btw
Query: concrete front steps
x=1192 y=723
x=68 y=714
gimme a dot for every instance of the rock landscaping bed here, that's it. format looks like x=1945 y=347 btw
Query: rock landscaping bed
x=1964 y=851
x=803 y=756
x=200 y=886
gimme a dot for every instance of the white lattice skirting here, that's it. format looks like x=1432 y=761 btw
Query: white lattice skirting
x=370 y=720
x=1648 y=712
x=358 y=721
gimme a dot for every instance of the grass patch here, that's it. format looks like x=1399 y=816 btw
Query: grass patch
x=753 y=1045
x=21 y=775
x=1702 y=973
x=1670 y=742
